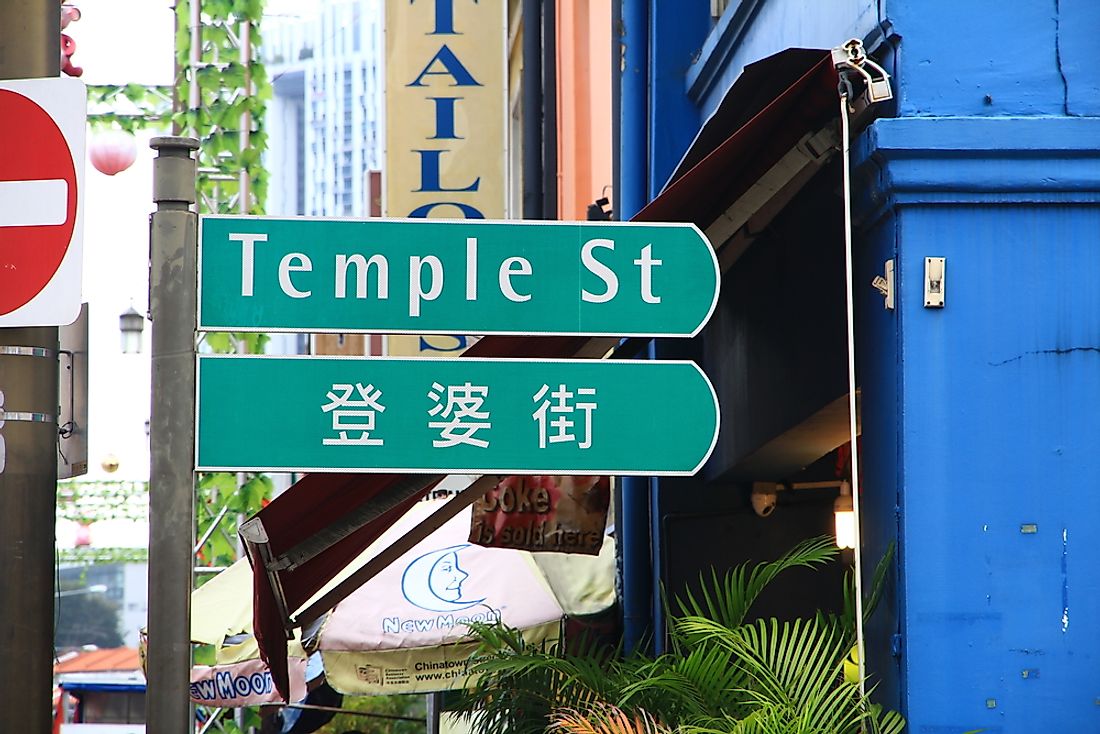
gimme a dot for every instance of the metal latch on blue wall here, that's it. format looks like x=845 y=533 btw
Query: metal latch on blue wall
x=852 y=56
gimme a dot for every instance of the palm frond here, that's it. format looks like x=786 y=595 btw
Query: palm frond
x=515 y=686
x=878 y=582
x=873 y=596
x=728 y=599
x=604 y=719
x=723 y=676
x=698 y=685
x=793 y=666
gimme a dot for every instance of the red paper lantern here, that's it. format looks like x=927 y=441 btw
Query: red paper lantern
x=112 y=152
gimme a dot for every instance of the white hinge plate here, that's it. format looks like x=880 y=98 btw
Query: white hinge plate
x=935 y=280
x=884 y=284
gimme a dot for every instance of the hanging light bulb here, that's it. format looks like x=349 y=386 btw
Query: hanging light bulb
x=845 y=517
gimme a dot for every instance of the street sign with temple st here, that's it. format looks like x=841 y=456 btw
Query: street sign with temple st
x=456 y=416
x=429 y=276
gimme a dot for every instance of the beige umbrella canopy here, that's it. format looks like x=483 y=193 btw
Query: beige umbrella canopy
x=405 y=630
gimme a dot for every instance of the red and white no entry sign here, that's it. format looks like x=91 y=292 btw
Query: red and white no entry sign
x=42 y=124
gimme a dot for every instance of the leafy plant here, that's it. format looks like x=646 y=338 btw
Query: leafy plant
x=604 y=719
x=725 y=674
x=232 y=94
x=378 y=715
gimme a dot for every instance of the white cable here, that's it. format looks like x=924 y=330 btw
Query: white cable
x=848 y=273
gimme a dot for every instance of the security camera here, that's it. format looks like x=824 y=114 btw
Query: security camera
x=763 y=498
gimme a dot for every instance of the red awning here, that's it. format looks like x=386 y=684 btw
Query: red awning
x=304 y=537
x=774 y=104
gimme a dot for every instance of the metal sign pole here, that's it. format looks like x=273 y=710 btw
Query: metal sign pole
x=30 y=38
x=172 y=307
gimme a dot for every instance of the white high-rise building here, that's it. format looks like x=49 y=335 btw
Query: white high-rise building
x=325 y=119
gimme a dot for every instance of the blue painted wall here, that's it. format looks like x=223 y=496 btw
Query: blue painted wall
x=676 y=33
x=997 y=397
x=989 y=57
x=981 y=420
x=881 y=416
x=750 y=30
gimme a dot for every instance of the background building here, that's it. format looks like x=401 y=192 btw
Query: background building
x=124 y=586
x=325 y=116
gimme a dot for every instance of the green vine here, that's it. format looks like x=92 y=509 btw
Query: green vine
x=230 y=93
x=91 y=501
x=87 y=502
x=129 y=107
x=87 y=556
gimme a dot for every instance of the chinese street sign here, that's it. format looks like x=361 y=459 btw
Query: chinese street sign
x=457 y=416
x=454 y=277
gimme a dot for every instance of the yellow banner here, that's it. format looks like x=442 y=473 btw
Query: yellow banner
x=416 y=669
x=445 y=109
x=428 y=345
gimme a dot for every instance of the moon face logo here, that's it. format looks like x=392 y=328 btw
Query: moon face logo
x=434 y=581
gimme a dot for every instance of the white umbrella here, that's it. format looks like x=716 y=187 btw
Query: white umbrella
x=405 y=630
x=221 y=615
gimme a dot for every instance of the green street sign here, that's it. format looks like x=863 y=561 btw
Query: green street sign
x=427 y=276
x=453 y=416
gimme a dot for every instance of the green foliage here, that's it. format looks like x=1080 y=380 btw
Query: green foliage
x=232 y=90
x=129 y=107
x=372 y=709
x=87 y=556
x=232 y=93
x=204 y=655
x=604 y=719
x=725 y=675
x=89 y=501
x=222 y=499
x=728 y=600
x=226 y=721
x=520 y=684
x=86 y=501
x=223 y=342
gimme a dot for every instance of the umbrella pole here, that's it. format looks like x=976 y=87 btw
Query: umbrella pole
x=435 y=708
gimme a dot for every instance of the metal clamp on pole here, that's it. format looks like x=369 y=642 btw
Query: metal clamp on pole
x=19 y=415
x=15 y=351
x=25 y=416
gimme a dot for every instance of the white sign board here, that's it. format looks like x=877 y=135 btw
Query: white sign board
x=42 y=124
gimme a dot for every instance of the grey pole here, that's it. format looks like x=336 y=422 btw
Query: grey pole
x=30 y=46
x=435 y=710
x=172 y=309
